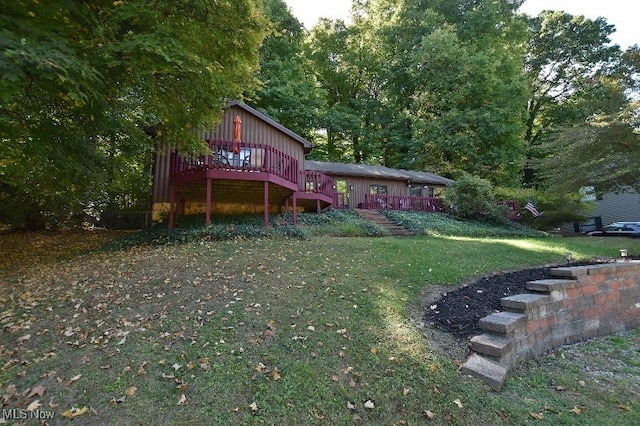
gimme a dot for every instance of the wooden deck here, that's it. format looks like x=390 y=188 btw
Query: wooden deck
x=401 y=202
x=246 y=173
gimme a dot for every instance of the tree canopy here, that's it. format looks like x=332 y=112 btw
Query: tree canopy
x=82 y=80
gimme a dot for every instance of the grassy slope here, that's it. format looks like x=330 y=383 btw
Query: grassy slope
x=300 y=328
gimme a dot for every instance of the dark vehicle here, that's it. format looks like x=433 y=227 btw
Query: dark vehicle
x=618 y=229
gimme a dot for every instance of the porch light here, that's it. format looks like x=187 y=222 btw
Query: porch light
x=623 y=253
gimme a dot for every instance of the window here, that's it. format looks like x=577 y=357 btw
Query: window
x=378 y=189
x=415 y=191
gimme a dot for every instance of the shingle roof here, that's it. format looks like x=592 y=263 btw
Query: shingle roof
x=367 y=170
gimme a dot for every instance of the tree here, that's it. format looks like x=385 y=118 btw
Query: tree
x=288 y=92
x=602 y=153
x=82 y=80
x=566 y=55
x=455 y=83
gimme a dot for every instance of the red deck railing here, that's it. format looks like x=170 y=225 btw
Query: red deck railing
x=402 y=202
x=316 y=182
x=238 y=157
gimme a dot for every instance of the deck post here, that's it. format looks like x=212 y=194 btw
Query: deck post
x=318 y=206
x=295 y=209
x=208 y=206
x=172 y=201
x=266 y=204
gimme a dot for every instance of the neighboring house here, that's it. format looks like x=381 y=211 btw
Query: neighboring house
x=610 y=208
x=258 y=165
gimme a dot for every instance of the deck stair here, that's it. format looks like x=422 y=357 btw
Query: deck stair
x=375 y=217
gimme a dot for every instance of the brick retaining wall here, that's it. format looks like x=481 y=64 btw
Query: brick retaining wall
x=579 y=303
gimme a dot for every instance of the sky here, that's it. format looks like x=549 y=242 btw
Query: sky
x=620 y=13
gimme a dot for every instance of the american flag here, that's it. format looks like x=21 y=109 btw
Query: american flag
x=531 y=206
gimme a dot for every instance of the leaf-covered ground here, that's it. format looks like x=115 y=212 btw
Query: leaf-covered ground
x=275 y=331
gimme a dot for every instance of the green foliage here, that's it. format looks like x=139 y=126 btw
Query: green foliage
x=288 y=91
x=471 y=197
x=567 y=55
x=440 y=224
x=557 y=208
x=339 y=223
x=81 y=80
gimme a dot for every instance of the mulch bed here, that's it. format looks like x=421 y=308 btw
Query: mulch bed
x=458 y=311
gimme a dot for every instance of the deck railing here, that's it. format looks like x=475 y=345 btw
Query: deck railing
x=316 y=182
x=233 y=156
x=402 y=202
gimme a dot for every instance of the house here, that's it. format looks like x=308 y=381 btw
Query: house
x=379 y=187
x=257 y=165
x=608 y=208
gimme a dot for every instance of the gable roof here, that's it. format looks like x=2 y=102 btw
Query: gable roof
x=308 y=146
x=373 y=171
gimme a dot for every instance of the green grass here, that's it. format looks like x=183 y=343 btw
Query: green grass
x=299 y=327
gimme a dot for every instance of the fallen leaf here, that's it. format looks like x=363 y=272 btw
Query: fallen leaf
x=131 y=391
x=624 y=407
x=253 y=406
x=37 y=391
x=537 y=416
x=176 y=366
x=34 y=405
x=120 y=400
x=52 y=404
x=429 y=414
x=350 y=406
x=75 y=412
x=260 y=367
x=582 y=383
x=578 y=410
x=502 y=415
x=182 y=400
x=275 y=374
x=24 y=338
x=369 y=404
x=311 y=328
x=406 y=391
x=458 y=403
x=551 y=409
x=74 y=379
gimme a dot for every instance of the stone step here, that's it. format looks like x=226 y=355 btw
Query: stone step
x=507 y=323
x=523 y=303
x=547 y=286
x=393 y=228
x=496 y=346
x=490 y=372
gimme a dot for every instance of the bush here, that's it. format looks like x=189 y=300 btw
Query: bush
x=471 y=197
x=556 y=209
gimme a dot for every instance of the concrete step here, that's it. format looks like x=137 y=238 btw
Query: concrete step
x=547 y=286
x=496 y=346
x=509 y=324
x=523 y=303
x=490 y=372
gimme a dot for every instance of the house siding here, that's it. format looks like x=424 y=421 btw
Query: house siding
x=359 y=187
x=623 y=207
x=254 y=130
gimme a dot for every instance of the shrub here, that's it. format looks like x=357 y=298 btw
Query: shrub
x=471 y=197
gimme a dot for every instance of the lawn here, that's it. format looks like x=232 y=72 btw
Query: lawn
x=279 y=330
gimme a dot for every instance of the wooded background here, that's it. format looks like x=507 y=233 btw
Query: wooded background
x=454 y=87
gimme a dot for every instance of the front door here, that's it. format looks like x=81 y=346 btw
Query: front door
x=342 y=191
